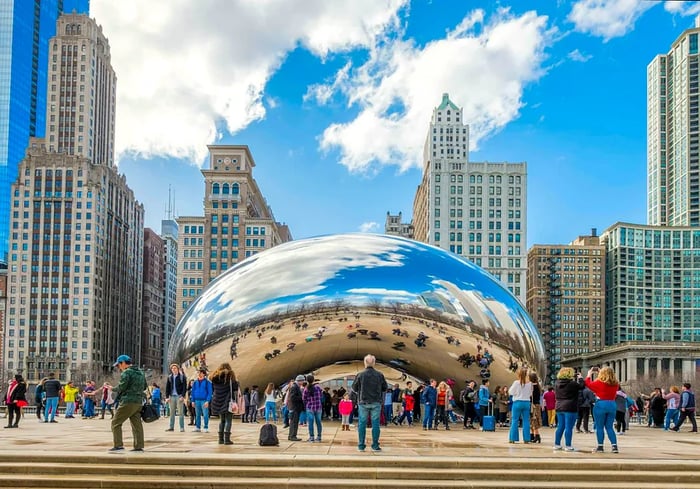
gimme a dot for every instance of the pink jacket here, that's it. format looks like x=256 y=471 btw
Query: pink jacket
x=345 y=407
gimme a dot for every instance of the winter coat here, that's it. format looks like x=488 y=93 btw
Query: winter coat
x=132 y=385
x=222 y=385
x=566 y=393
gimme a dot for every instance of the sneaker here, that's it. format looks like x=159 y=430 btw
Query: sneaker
x=170 y=429
x=318 y=440
x=360 y=449
x=569 y=449
x=182 y=430
x=196 y=430
x=376 y=449
x=579 y=431
x=311 y=440
x=598 y=450
x=206 y=430
x=53 y=421
x=116 y=449
x=136 y=450
x=294 y=439
x=614 y=449
x=557 y=448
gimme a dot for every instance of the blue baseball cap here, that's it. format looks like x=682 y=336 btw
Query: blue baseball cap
x=123 y=358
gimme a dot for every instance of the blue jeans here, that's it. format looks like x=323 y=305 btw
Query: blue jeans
x=388 y=413
x=520 y=411
x=371 y=409
x=270 y=411
x=285 y=415
x=565 y=426
x=604 y=416
x=671 y=415
x=428 y=415
x=89 y=408
x=50 y=410
x=201 y=412
x=312 y=416
x=70 y=409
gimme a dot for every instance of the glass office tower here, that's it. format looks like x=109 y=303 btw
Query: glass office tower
x=25 y=29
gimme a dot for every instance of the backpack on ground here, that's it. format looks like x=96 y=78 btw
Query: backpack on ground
x=268 y=435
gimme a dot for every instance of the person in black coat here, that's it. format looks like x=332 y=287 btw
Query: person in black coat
x=224 y=385
x=566 y=390
x=295 y=403
x=15 y=400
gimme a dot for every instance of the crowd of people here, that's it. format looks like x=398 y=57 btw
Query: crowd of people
x=574 y=403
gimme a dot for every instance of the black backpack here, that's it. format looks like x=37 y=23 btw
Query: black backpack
x=268 y=436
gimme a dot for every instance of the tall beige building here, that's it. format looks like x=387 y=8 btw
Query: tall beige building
x=476 y=210
x=237 y=223
x=76 y=229
x=566 y=297
x=81 y=92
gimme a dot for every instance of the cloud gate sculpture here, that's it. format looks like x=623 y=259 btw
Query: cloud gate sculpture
x=311 y=303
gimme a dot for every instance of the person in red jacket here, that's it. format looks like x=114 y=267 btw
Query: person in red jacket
x=605 y=388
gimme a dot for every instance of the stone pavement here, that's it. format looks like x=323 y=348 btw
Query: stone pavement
x=94 y=436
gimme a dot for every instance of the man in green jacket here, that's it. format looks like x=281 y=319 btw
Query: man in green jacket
x=130 y=393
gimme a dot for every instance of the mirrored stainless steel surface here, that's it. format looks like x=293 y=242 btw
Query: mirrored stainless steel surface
x=313 y=302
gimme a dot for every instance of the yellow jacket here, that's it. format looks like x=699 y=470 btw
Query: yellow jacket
x=69 y=393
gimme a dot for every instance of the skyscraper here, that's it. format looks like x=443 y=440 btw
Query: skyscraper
x=566 y=297
x=476 y=210
x=75 y=265
x=673 y=134
x=237 y=223
x=168 y=234
x=25 y=30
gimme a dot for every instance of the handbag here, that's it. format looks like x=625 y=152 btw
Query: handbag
x=233 y=406
x=149 y=413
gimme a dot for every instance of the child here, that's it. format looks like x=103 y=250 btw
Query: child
x=345 y=409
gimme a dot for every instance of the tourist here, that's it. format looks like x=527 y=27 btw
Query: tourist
x=567 y=387
x=503 y=402
x=15 y=400
x=550 y=403
x=155 y=397
x=224 y=386
x=295 y=403
x=468 y=396
x=417 y=394
x=657 y=408
x=175 y=391
x=441 y=402
x=285 y=405
x=408 y=405
x=395 y=404
x=586 y=398
x=388 y=409
x=254 y=398
x=368 y=387
x=673 y=402
x=130 y=394
x=313 y=403
x=270 y=403
x=535 y=409
x=687 y=408
x=107 y=400
x=40 y=398
x=345 y=407
x=622 y=405
x=483 y=401
x=605 y=387
x=200 y=398
x=521 y=390
x=188 y=401
x=52 y=391
x=89 y=400
x=429 y=401
x=69 y=397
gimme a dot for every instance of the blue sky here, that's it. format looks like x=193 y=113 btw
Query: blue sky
x=334 y=100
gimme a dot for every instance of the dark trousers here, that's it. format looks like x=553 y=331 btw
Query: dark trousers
x=13 y=411
x=293 y=423
x=620 y=423
x=583 y=414
x=440 y=416
x=691 y=416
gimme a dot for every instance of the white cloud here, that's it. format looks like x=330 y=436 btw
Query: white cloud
x=398 y=87
x=608 y=18
x=577 y=55
x=184 y=66
x=369 y=227
x=682 y=8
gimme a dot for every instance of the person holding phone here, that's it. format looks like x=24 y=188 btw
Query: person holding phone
x=604 y=410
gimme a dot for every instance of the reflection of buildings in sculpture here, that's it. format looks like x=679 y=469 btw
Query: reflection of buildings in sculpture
x=237 y=223
x=505 y=319
x=438 y=301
